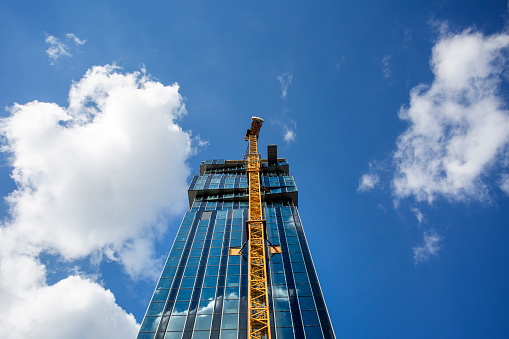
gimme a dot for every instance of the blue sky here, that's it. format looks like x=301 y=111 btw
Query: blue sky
x=393 y=116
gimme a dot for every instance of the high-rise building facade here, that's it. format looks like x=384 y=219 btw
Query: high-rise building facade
x=203 y=289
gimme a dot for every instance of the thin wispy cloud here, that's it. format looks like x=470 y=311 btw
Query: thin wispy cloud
x=97 y=179
x=429 y=248
x=58 y=48
x=386 y=67
x=285 y=80
x=418 y=214
x=504 y=183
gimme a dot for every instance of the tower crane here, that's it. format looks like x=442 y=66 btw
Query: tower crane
x=258 y=299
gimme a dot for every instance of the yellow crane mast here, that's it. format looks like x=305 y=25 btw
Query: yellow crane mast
x=258 y=299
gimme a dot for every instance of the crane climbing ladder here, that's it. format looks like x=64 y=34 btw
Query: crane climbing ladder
x=258 y=299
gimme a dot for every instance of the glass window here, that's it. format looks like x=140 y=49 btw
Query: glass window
x=291 y=232
x=150 y=324
x=283 y=319
x=208 y=294
x=306 y=303
x=214 y=260
x=292 y=240
x=195 y=261
x=179 y=244
x=145 y=336
x=236 y=242
x=234 y=260
x=195 y=252
x=294 y=248
x=172 y=262
x=189 y=216
x=277 y=268
x=203 y=322
x=155 y=309
x=232 y=280
x=200 y=236
x=184 y=294
x=296 y=257
x=201 y=334
x=210 y=281
x=219 y=229
x=230 y=306
x=313 y=332
x=229 y=321
x=304 y=289
x=229 y=334
x=278 y=279
x=206 y=307
x=180 y=308
x=221 y=215
x=211 y=270
x=198 y=244
x=217 y=236
x=181 y=237
x=214 y=252
x=310 y=318
x=202 y=229
x=187 y=282
x=301 y=278
x=160 y=295
x=173 y=335
x=285 y=333
x=169 y=272
x=298 y=267
x=236 y=235
x=176 y=323
x=190 y=271
x=216 y=243
x=233 y=269
x=281 y=304
x=231 y=293
x=164 y=283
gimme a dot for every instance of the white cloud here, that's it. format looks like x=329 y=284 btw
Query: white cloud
x=285 y=80
x=96 y=179
x=429 y=248
x=367 y=182
x=386 y=67
x=100 y=175
x=32 y=309
x=504 y=183
x=418 y=214
x=290 y=136
x=74 y=38
x=58 y=48
x=458 y=125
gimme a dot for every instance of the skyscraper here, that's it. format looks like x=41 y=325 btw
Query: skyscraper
x=203 y=289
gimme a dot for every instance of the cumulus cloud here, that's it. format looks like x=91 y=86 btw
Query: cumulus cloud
x=32 y=309
x=458 y=126
x=96 y=179
x=429 y=248
x=285 y=80
x=58 y=48
x=101 y=174
x=367 y=182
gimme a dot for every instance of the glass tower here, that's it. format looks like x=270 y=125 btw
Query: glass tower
x=202 y=291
